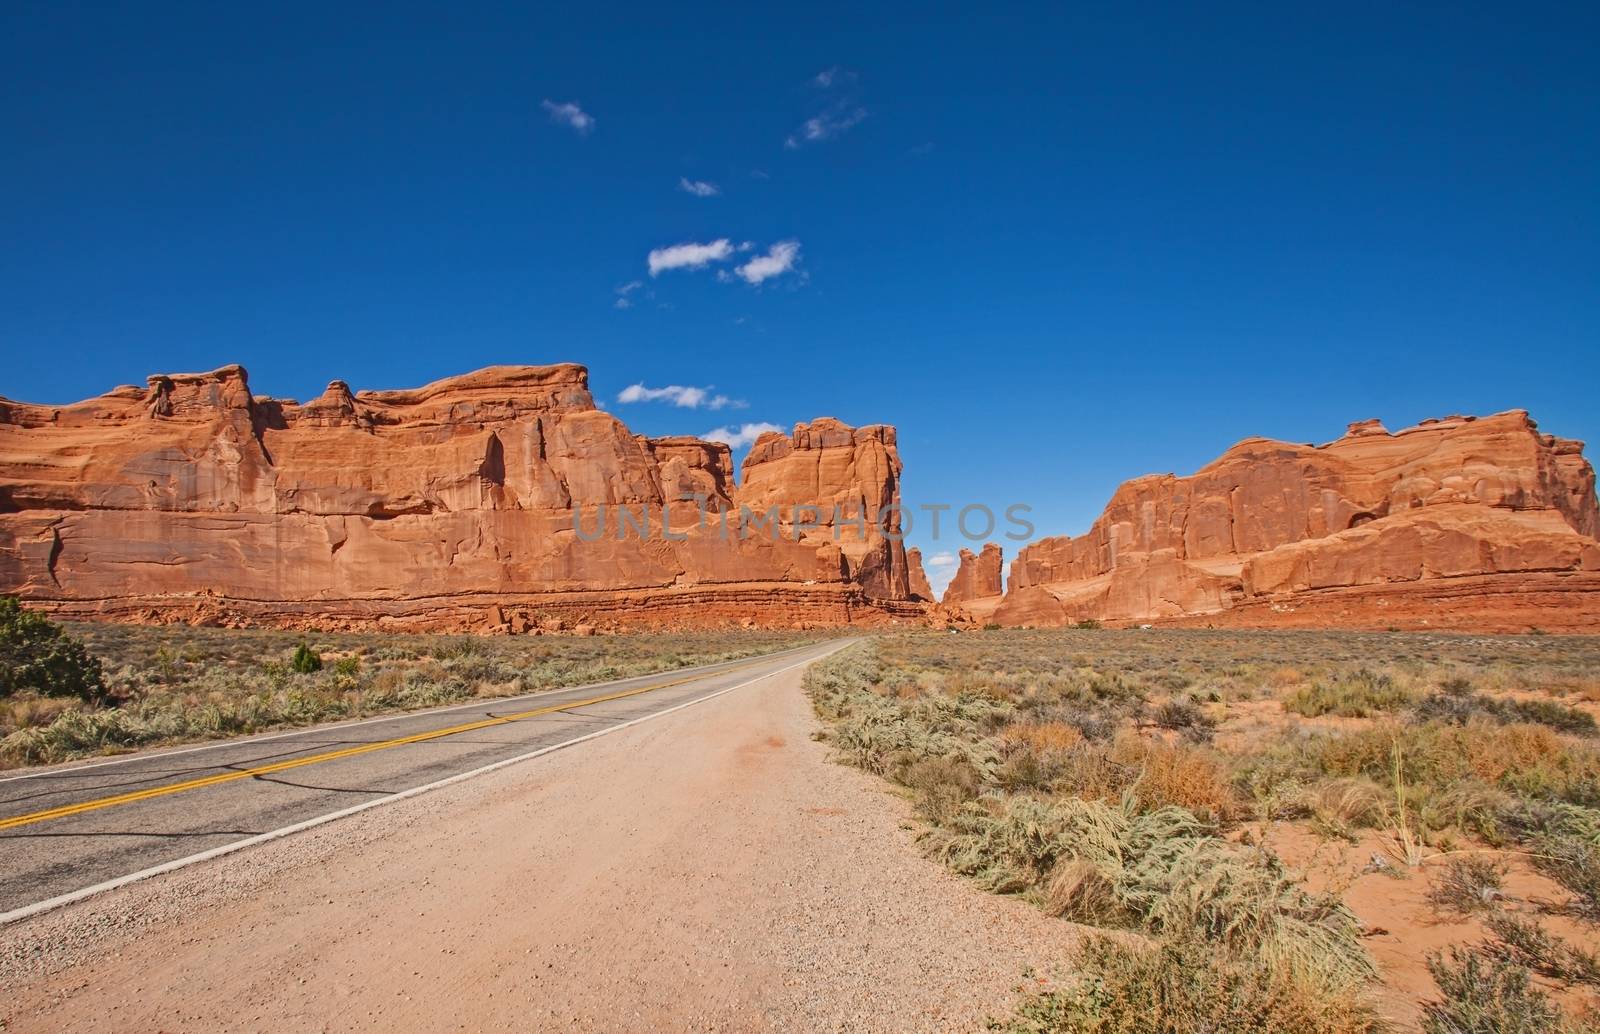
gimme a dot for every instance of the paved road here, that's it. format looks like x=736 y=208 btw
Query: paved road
x=69 y=828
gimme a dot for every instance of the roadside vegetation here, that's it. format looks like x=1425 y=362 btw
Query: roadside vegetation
x=68 y=691
x=1259 y=831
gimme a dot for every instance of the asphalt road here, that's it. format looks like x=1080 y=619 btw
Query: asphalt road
x=67 y=829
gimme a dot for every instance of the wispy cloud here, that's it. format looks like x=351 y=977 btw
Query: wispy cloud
x=686 y=397
x=739 y=437
x=828 y=76
x=699 y=188
x=569 y=114
x=689 y=256
x=779 y=259
x=624 y=290
x=942 y=560
x=826 y=126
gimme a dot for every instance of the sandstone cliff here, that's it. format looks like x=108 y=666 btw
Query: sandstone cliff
x=976 y=588
x=1456 y=523
x=917 y=576
x=449 y=506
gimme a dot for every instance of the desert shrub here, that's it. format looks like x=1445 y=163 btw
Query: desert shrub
x=1358 y=694
x=1479 y=995
x=1573 y=862
x=1036 y=755
x=1468 y=884
x=942 y=786
x=1522 y=940
x=1182 y=986
x=887 y=735
x=1185 y=716
x=1089 y=771
x=1176 y=775
x=1347 y=803
x=1456 y=706
x=1164 y=870
x=306 y=660
x=1471 y=806
x=39 y=655
x=1527 y=760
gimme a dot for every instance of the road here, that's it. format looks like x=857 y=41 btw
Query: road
x=68 y=831
x=709 y=870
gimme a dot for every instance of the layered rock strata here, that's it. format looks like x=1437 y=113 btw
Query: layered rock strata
x=475 y=502
x=1469 y=523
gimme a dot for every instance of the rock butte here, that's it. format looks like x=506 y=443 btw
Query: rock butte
x=977 y=585
x=447 y=507
x=1463 y=523
x=450 y=507
x=918 y=579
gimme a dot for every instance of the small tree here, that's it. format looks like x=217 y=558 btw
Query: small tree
x=306 y=660
x=38 y=654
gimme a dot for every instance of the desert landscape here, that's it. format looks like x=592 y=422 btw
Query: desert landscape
x=1300 y=817
x=1029 y=518
x=463 y=505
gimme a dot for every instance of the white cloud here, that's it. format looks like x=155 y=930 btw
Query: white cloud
x=826 y=126
x=686 y=397
x=569 y=114
x=699 y=188
x=689 y=256
x=779 y=259
x=624 y=290
x=826 y=77
x=739 y=437
x=943 y=560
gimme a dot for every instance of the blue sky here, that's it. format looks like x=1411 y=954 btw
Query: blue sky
x=1057 y=248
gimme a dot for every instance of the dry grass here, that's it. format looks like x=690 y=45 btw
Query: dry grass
x=170 y=684
x=1178 y=775
x=1110 y=777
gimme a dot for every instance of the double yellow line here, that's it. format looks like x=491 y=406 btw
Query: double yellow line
x=333 y=755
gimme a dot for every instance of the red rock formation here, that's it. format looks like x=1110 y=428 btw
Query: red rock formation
x=976 y=588
x=1459 y=523
x=449 y=506
x=917 y=577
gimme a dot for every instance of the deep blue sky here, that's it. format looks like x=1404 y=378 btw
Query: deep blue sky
x=1058 y=249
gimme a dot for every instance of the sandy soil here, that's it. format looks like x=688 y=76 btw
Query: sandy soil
x=711 y=870
x=1403 y=927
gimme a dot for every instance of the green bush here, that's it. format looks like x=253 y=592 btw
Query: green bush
x=306 y=660
x=37 y=654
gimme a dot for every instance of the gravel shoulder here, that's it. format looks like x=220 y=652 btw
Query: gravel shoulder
x=711 y=870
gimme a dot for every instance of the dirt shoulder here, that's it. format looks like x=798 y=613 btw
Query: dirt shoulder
x=711 y=870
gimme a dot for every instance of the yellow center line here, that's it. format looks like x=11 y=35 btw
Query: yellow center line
x=333 y=755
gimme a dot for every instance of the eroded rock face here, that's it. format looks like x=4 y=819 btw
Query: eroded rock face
x=449 y=506
x=1278 y=533
x=917 y=577
x=976 y=586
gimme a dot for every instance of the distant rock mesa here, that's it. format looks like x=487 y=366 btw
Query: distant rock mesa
x=1466 y=523
x=446 y=507
x=451 y=507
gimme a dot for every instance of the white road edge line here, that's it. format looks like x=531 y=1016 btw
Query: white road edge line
x=156 y=754
x=71 y=897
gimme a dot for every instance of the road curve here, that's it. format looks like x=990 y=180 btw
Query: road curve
x=69 y=831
